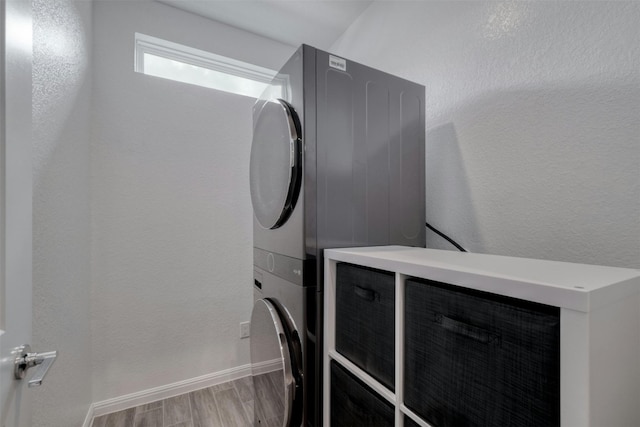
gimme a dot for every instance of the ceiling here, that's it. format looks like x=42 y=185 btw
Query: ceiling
x=318 y=23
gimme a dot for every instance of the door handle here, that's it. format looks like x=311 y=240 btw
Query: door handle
x=25 y=359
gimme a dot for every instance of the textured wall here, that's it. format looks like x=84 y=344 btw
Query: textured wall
x=171 y=212
x=61 y=231
x=533 y=120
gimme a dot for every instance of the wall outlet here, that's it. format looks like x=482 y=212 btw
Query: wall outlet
x=245 y=329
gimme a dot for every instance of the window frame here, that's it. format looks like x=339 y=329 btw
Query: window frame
x=145 y=44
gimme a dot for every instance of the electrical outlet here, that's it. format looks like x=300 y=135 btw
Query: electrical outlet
x=245 y=329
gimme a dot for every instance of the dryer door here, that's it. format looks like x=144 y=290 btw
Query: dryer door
x=276 y=169
x=276 y=380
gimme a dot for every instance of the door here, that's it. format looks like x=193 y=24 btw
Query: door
x=276 y=162
x=275 y=366
x=15 y=205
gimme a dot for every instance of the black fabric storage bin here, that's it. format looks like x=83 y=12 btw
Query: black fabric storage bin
x=365 y=320
x=478 y=359
x=353 y=403
x=408 y=422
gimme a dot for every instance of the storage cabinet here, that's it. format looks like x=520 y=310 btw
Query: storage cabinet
x=478 y=340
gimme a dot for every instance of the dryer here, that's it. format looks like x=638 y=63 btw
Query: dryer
x=337 y=160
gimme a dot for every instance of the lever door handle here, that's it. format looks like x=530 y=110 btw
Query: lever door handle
x=47 y=360
x=25 y=359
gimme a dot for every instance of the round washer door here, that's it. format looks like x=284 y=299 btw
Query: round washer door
x=276 y=398
x=275 y=171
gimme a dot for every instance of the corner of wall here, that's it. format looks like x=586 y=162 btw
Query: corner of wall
x=61 y=173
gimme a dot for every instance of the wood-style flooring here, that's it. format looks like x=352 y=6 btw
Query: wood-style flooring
x=226 y=405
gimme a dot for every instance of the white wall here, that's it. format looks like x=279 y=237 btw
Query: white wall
x=61 y=231
x=532 y=115
x=171 y=212
x=533 y=120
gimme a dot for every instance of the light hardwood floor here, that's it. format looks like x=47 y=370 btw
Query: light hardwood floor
x=226 y=405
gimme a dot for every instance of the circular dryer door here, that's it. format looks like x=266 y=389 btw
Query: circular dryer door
x=277 y=393
x=275 y=171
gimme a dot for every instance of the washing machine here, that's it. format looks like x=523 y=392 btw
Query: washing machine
x=337 y=160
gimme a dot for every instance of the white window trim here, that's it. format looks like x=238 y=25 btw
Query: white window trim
x=145 y=44
x=199 y=58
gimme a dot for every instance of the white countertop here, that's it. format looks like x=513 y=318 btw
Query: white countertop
x=578 y=287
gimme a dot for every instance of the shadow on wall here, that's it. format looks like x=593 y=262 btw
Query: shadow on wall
x=449 y=205
x=547 y=173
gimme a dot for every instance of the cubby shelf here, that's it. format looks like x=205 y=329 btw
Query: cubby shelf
x=599 y=323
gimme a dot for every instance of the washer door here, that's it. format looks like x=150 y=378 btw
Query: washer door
x=276 y=380
x=276 y=159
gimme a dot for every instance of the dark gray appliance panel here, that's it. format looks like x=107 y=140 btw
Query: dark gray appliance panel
x=407 y=164
x=373 y=169
x=336 y=153
x=370 y=157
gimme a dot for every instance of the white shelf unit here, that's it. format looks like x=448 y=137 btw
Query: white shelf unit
x=599 y=324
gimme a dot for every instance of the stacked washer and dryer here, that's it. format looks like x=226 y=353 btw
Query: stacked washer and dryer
x=336 y=161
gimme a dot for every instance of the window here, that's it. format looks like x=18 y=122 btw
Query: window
x=162 y=58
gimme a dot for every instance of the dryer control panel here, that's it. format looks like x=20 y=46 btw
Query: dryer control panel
x=287 y=268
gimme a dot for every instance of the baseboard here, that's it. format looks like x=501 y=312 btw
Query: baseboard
x=170 y=390
x=89 y=418
x=267 y=366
